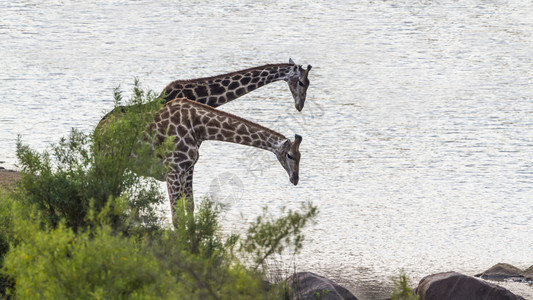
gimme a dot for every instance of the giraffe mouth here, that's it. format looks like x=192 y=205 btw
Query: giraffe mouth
x=294 y=179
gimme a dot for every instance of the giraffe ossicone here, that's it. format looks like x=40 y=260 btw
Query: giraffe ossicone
x=190 y=123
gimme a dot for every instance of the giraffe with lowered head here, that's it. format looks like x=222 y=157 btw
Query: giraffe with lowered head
x=220 y=89
x=217 y=90
x=191 y=123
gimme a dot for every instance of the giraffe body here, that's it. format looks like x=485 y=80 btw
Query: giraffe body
x=191 y=123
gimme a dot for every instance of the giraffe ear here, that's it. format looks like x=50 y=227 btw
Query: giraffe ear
x=291 y=61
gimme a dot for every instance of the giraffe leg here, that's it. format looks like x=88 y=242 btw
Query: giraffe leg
x=188 y=191
x=179 y=186
x=175 y=187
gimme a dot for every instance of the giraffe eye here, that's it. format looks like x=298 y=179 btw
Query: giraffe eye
x=300 y=83
x=289 y=156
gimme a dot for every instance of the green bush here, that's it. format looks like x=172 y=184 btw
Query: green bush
x=401 y=289
x=193 y=261
x=85 y=171
x=60 y=264
x=6 y=237
x=83 y=224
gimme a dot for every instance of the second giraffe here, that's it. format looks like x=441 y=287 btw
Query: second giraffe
x=191 y=123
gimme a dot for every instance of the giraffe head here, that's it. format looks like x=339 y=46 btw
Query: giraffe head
x=298 y=83
x=289 y=157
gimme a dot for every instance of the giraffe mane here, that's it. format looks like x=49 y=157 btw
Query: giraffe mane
x=226 y=114
x=228 y=74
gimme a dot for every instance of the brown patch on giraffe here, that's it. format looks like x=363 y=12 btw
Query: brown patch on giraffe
x=246 y=139
x=211 y=101
x=201 y=90
x=189 y=94
x=212 y=130
x=240 y=92
x=181 y=157
x=164 y=115
x=234 y=85
x=217 y=89
x=245 y=80
x=242 y=130
x=191 y=153
x=164 y=123
x=189 y=140
x=226 y=133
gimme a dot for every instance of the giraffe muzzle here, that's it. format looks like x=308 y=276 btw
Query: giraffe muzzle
x=294 y=179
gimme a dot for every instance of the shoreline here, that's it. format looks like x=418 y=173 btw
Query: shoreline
x=9 y=177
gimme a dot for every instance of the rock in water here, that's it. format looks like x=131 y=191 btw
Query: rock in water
x=454 y=286
x=309 y=285
x=528 y=273
x=501 y=272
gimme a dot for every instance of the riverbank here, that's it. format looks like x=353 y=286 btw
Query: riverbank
x=8 y=178
x=363 y=291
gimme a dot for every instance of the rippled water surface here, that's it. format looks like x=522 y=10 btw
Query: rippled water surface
x=418 y=128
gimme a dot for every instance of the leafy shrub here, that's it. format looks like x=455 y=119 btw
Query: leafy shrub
x=60 y=264
x=85 y=171
x=268 y=236
x=401 y=290
x=6 y=237
x=193 y=261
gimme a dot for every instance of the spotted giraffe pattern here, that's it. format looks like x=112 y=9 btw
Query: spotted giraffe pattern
x=221 y=89
x=191 y=123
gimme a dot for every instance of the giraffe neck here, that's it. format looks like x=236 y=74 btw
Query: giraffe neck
x=217 y=90
x=212 y=124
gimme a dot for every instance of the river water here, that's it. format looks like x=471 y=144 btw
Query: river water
x=417 y=131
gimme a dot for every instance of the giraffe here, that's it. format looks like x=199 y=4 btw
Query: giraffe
x=217 y=90
x=191 y=123
x=220 y=89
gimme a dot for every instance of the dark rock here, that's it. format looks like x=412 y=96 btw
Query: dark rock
x=454 y=286
x=501 y=272
x=528 y=273
x=309 y=285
